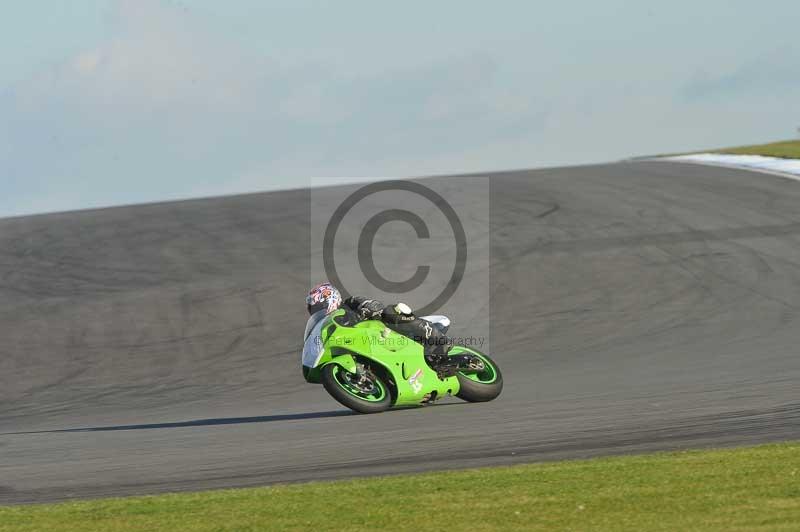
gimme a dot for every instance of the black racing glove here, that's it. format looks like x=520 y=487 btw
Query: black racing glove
x=366 y=309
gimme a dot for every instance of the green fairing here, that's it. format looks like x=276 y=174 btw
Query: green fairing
x=402 y=359
x=347 y=362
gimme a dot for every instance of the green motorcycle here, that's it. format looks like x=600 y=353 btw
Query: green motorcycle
x=370 y=368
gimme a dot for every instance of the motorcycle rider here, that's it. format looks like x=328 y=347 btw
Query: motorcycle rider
x=399 y=317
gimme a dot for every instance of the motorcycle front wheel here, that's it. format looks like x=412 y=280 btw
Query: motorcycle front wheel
x=367 y=393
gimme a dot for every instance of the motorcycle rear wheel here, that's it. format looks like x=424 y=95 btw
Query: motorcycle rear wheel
x=481 y=386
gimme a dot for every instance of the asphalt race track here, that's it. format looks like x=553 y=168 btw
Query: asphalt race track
x=635 y=306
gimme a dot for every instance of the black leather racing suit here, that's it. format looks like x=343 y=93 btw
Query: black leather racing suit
x=358 y=309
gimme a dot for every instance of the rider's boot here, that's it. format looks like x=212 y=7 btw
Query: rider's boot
x=436 y=355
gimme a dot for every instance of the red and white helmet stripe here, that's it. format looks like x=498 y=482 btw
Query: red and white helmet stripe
x=325 y=293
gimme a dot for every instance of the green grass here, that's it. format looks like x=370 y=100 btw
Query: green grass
x=749 y=489
x=788 y=149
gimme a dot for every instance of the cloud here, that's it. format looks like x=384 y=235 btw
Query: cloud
x=167 y=106
x=774 y=72
x=87 y=62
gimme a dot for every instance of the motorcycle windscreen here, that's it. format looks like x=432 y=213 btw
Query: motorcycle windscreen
x=313 y=320
x=312 y=349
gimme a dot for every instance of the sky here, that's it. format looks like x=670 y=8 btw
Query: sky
x=110 y=102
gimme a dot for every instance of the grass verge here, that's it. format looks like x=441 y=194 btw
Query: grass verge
x=788 y=149
x=756 y=488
